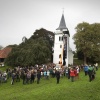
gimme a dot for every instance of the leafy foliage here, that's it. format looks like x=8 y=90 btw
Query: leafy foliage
x=1 y=47
x=87 y=40
x=35 y=50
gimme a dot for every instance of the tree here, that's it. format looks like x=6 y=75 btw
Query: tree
x=47 y=35
x=87 y=40
x=36 y=50
x=80 y=55
x=1 y=47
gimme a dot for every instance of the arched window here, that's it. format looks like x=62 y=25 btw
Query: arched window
x=60 y=56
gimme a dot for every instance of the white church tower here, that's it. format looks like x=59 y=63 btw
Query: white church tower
x=62 y=53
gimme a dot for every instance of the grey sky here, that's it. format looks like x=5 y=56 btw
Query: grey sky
x=20 y=18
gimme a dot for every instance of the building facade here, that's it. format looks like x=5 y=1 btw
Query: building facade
x=62 y=52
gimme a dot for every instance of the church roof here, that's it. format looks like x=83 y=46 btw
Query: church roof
x=62 y=24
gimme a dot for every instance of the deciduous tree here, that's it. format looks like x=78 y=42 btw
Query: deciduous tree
x=87 y=40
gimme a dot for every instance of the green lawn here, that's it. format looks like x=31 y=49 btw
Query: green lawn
x=81 y=89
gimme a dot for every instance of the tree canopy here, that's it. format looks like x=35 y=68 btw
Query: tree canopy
x=1 y=47
x=87 y=40
x=35 y=50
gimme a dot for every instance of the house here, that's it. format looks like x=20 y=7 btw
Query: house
x=4 y=53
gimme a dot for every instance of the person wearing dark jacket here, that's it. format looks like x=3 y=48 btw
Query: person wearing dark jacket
x=24 y=77
x=38 y=76
x=93 y=74
x=32 y=77
x=90 y=71
x=57 y=73
x=68 y=72
x=13 y=78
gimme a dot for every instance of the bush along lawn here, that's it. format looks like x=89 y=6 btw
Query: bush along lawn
x=80 y=89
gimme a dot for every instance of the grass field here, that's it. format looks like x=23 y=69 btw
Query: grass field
x=81 y=89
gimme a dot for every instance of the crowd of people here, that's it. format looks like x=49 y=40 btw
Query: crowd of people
x=32 y=74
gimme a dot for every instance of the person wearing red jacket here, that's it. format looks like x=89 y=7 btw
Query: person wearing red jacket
x=72 y=74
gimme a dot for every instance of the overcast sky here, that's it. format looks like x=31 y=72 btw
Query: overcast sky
x=20 y=18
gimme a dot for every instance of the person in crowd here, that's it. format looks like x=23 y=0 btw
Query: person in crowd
x=78 y=70
x=96 y=66
x=13 y=77
x=86 y=69
x=38 y=76
x=28 y=77
x=72 y=74
x=82 y=66
x=45 y=74
x=17 y=76
x=0 y=76
x=53 y=73
x=8 y=73
x=93 y=74
x=48 y=74
x=90 y=72
x=75 y=72
x=35 y=74
x=4 y=76
x=32 y=76
x=24 y=77
x=41 y=73
x=68 y=72
x=57 y=74
x=62 y=72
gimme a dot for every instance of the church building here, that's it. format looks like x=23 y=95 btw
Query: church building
x=63 y=54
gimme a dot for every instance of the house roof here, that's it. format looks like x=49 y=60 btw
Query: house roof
x=62 y=24
x=4 y=52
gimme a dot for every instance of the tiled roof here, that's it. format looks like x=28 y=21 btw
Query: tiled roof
x=4 y=52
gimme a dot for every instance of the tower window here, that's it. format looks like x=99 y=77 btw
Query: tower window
x=60 y=56
x=60 y=38
x=60 y=46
